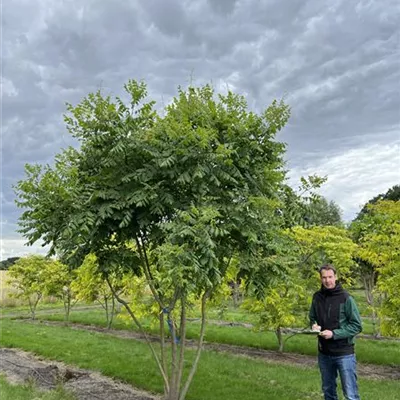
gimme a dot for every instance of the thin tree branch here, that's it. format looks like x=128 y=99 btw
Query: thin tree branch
x=199 y=347
x=139 y=325
x=147 y=273
x=182 y=333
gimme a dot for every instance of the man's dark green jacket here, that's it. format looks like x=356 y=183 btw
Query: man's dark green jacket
x=336 y=310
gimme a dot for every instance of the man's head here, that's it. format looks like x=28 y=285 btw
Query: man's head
x=327 y=274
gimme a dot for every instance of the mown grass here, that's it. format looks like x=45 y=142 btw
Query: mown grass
x=10 y=391
x=56 y=305
x=219 y=376
x=385 y=352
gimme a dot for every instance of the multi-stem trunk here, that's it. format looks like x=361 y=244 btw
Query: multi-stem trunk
x=177 y=365
x=33 y=304
x=163 y=372
x=193 y=369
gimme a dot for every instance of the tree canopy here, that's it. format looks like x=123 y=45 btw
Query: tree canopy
x=173 y=197
x=392 y=194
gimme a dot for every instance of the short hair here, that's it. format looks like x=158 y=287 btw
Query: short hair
x=327 y=267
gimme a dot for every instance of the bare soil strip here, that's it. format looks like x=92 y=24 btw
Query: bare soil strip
x=22 y=367
x=370 y=371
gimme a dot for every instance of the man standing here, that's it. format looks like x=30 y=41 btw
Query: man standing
x=335 y=314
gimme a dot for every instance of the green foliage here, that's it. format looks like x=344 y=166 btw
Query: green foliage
x=304 y=207
x=284 y=306
x=28 y=277
x=324 y=213
x=90 y=285
x=35 y=276
x=190 y=189
x=58 y=283
x=319 y=245
x=392 y=194
x=378 y=233
x=48 y=197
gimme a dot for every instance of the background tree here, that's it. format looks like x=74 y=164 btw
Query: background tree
x=320 y=245
x=27 y=277
x=378 y=233
x=392 y=194
x=90 y=285
x=58 y=280
x=192 y=189
x=323 y=213
x=301 y=207
x=5 y=264
x=368 y=271
x=284 y=301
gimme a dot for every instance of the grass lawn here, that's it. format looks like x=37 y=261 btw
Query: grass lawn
x=219 y=376
x=10 y=391
x=368 y=351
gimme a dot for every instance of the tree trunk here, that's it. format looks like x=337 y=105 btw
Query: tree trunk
x=111 y=316
x=182 y=333
x=107 y=310
x=173 y=389
x=369 y=283
x=163 y=359
x=235 y=294
x=163 y=372
x=67 y=306
x=199 y=347
x=278 y=333
x=33 y=305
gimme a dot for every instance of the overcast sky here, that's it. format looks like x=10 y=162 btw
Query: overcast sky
x=336 y=63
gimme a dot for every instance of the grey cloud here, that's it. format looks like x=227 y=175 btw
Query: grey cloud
x=337 y=65
x=222 y=7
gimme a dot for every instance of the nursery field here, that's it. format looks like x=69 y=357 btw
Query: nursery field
x=237 y=361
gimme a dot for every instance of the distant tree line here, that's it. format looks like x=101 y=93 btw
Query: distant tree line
x=6 y=264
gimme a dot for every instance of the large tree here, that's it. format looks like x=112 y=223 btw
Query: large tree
x=368 y=267
x=175 y=197
x=378 y=233
x=323 y=213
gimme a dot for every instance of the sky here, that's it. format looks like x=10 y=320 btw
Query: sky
x=336 y=63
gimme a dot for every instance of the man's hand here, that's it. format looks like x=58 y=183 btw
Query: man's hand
x=326 y=334
x=316 y=328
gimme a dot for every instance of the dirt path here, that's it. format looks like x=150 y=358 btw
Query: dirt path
x=21 y=367
x=370 y=371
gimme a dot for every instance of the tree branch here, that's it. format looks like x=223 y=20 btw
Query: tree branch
x=199 y=346
x=147 y=273
x=139 y=325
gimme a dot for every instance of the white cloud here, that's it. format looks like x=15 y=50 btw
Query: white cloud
x=355 y=176
x=17 y=248
x=8 y=88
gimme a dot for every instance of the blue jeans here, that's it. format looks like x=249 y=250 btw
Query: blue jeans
x=346 y=366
